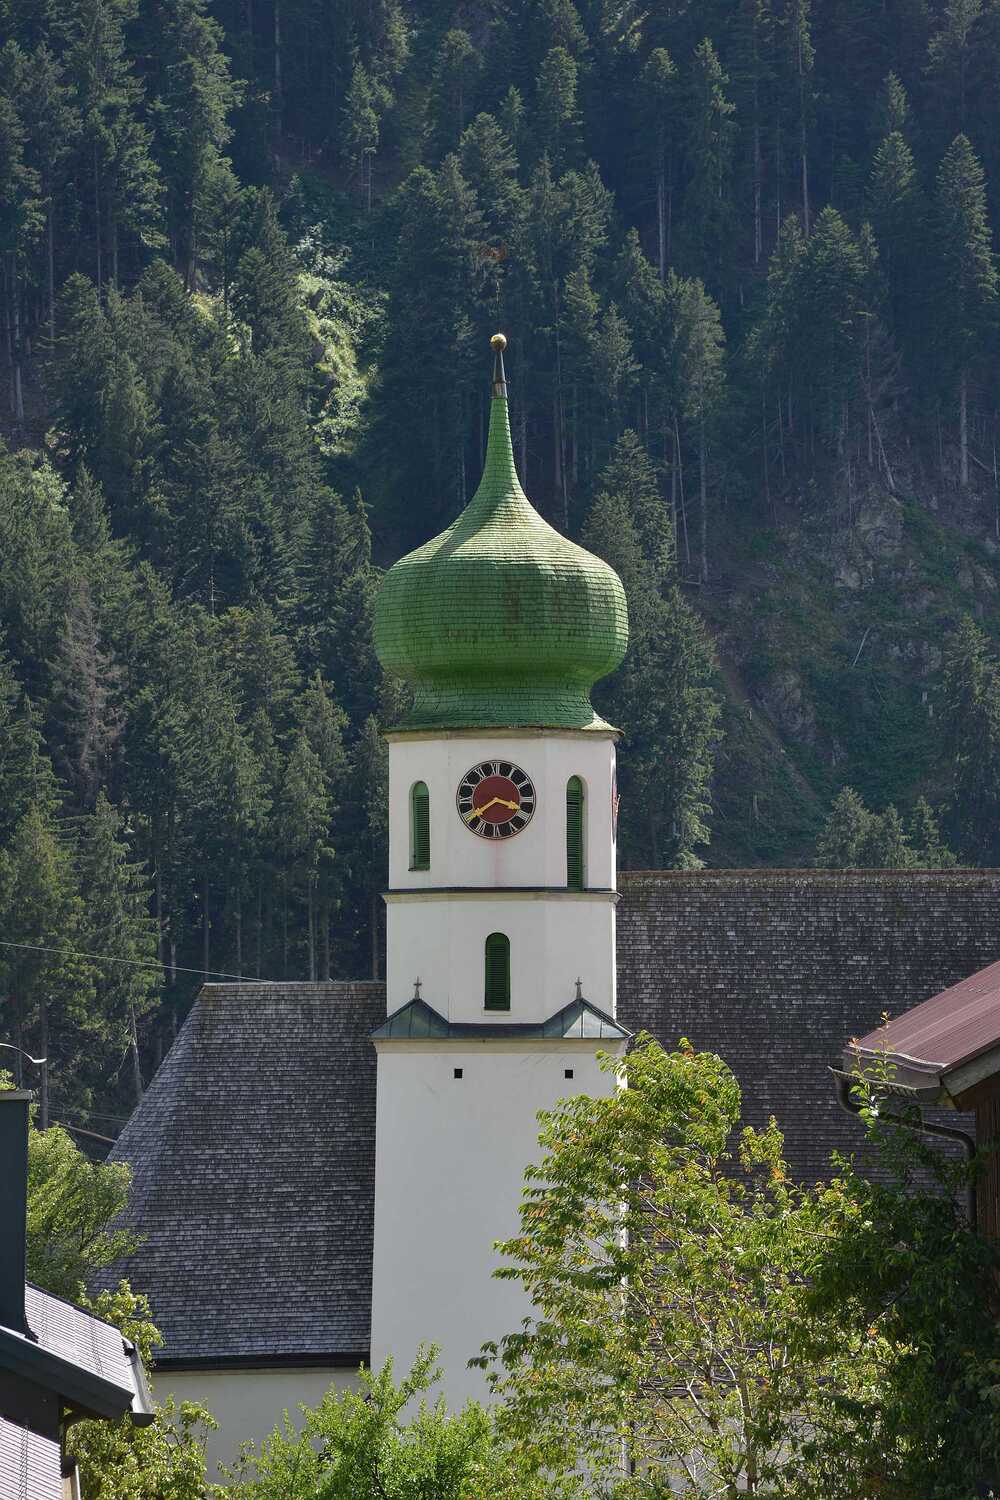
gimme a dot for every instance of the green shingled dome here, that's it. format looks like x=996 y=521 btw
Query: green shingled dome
x=500 y=621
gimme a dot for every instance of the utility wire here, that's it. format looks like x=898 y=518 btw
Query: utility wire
x=136 y=963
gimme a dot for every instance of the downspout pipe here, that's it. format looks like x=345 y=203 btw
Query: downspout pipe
x=842 y=1083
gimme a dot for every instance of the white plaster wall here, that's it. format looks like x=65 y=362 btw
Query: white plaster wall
x=450 y=1158
x=554 y=939
x=534 y=857
x=249 y=1404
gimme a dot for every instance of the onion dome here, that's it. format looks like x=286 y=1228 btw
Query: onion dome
x=500 y=622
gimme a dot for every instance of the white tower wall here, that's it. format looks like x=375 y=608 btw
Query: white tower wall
x=450 y=1157
x=534 y=858
x=451 y=1151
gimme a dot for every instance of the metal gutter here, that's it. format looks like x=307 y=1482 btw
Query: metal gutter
x=842 y=1084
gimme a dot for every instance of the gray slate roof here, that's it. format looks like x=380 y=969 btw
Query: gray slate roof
x=253 y=1148
x=253 y=1155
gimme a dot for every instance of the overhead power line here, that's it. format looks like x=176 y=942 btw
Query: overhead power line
x=136 y=963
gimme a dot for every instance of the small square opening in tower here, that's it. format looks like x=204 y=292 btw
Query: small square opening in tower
x=568 y=1073
x=458 y=1072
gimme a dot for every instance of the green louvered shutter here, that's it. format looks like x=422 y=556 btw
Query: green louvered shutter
x=420 y=827
x=498 y=971
x=574 y=833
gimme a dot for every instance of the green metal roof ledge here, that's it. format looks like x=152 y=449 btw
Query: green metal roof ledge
x=500 y=622
x=417 y=1021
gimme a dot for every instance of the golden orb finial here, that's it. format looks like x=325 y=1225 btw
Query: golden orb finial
x=499 y=341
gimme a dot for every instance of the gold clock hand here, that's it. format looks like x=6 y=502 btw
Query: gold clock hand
x=477 y=812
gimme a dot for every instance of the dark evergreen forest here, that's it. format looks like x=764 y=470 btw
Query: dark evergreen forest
x=252 y=252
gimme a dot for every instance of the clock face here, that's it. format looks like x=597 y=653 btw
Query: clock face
x=496 y=799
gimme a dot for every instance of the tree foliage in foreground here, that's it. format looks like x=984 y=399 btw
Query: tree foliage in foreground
x=732 y=1331
x=363 y=1445
x=73 y=1207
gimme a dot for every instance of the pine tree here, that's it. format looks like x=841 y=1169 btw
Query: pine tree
x=455 y=74
x=113 y=154
x=302 y=815
x=116 y=923
x=26 y=776
x=87 y=709
x=949 y=61
x=362 y=111
x=20 y=211
x=709 y=150
x=894 y=202
x=965 y=277
x=556 y=108
x=971 y=750
x=193 y=96
x=51 y=122
x=49 y=987
x=798 y=90
x=752 y=69
x=698 y=351
x=892 y=109
x=663 y=695
x=660 y=117
x=845 y=834
x=924 y=834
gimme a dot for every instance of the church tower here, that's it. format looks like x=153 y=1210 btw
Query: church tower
x=500 y=966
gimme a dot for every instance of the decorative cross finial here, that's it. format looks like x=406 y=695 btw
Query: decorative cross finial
x=416 y=988
x=579 y=989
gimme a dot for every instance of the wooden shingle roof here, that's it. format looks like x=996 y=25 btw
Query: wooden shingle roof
x=253 y=1149
x=253 y=1160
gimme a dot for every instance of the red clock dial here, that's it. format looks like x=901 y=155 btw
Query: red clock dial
x=496 y=799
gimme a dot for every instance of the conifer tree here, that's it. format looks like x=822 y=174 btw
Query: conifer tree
x=660 y=117
x=971 y=693
x=894 y=202
x=965 y=290
x=88 y=708
x=49 y=988
x=664 y=690
x=26 y=777
x=362 y=110
x=116 y=923
x=556 y=108
x=193 y=96
x=709 y=147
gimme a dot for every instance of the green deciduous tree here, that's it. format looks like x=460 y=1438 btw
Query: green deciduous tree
x=73 y=1204
x=361 y=1443
x=730 y=1332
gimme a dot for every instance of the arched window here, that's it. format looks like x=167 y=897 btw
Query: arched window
x=574 y=834
x=420 y=827
x=498 y=971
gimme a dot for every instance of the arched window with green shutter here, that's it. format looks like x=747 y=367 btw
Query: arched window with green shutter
x=498 y=971
x=574 y=834
x=420 y=826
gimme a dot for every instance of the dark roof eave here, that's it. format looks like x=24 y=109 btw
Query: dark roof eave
x=341 y=1360
x=81 y=1389
x=932 y=1082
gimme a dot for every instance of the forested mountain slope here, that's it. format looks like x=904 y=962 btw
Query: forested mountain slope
x=251 y=257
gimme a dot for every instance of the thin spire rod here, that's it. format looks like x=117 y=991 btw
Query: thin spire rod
x=499 y=344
